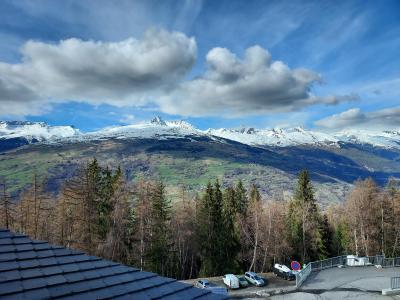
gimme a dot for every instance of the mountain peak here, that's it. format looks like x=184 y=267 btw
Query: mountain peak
x=158 y=121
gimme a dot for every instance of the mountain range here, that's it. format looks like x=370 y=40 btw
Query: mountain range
x=185 y=156
x=32 y=132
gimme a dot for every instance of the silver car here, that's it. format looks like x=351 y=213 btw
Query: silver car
x=253 y=278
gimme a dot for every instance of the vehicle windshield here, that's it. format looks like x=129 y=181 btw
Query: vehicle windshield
x=257 y=278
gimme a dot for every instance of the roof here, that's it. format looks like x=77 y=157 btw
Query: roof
x=31 y=269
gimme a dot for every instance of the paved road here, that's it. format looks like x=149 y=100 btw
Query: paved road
x=346 y=283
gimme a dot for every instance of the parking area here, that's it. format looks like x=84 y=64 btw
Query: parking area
x=330 y=284
x=275 y=284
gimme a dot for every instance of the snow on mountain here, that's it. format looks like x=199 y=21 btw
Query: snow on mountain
x=156 y=128
x=160 y=129
x=35 y=131
x=276 y=137
x=385 y=139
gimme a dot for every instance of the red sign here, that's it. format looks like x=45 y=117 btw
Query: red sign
x=295 y=266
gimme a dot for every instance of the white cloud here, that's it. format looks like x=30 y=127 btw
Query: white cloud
x=150 y=72
x=252 y=85
x=380 y=119
x=125 y=73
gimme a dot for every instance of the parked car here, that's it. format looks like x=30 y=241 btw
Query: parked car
x=203 y=284
x=231 y=281
x=253 y=278
x=284 y=272
x=242 y=281
x=353 y=260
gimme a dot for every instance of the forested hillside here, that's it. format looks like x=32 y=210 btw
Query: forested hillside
x=219 y=230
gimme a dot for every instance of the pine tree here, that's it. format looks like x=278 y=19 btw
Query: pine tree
x=104 y=204
x=326 y=241
x=231 y=237
x=203 y=230
x=211 y=231
x=304 y=220
x=160 y=235
x=241 y=201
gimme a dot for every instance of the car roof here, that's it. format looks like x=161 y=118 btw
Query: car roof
x=251 y=273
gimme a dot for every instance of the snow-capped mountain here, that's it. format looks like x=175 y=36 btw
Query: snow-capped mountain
x=384 y=139
x=161 y=129
x=276 y=137
x=156 y=128
x=35 y=131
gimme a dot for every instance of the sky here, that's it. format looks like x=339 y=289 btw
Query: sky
x=324 y=65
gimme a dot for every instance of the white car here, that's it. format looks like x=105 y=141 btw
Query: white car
x=284 y=272
x=253 y=278
x=231 y=281
x=203 y=284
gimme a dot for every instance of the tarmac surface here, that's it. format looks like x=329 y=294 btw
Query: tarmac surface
x=331 y=284
x=345 y=283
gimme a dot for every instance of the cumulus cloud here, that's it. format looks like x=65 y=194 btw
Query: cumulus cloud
x=384 y=119
x=254 y=84
x=122 y=73
x=150 y=72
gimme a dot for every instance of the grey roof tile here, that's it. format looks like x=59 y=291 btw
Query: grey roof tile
x=10 y=275
x=53 y=280
x=33 y=283
x=59 y=290
x=7 y=265
x=29 y=273
x=23 y=264
x=21 y=254
x=10 y=287
x=42 y=293
x=8 y=256
x=5 y=241
x=32 y=269
x=69 y=267
x=51 y=270
x=48 y=261
x=6 y=248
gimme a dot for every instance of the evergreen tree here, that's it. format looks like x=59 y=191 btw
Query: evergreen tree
x=241 y=201
x=211 y=231
x=340 y=239
x=104 y=203
x=304 y=220
x=326 y=242
x=160 y=236
x=203 y=230
x=231 y=237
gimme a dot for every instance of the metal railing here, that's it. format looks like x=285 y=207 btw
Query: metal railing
x=395 y=283
x=314 y=266
x=302 y=275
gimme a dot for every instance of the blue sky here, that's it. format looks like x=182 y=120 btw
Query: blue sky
x=204 y=67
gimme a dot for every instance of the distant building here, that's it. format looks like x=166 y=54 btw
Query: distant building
x=31 y=269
